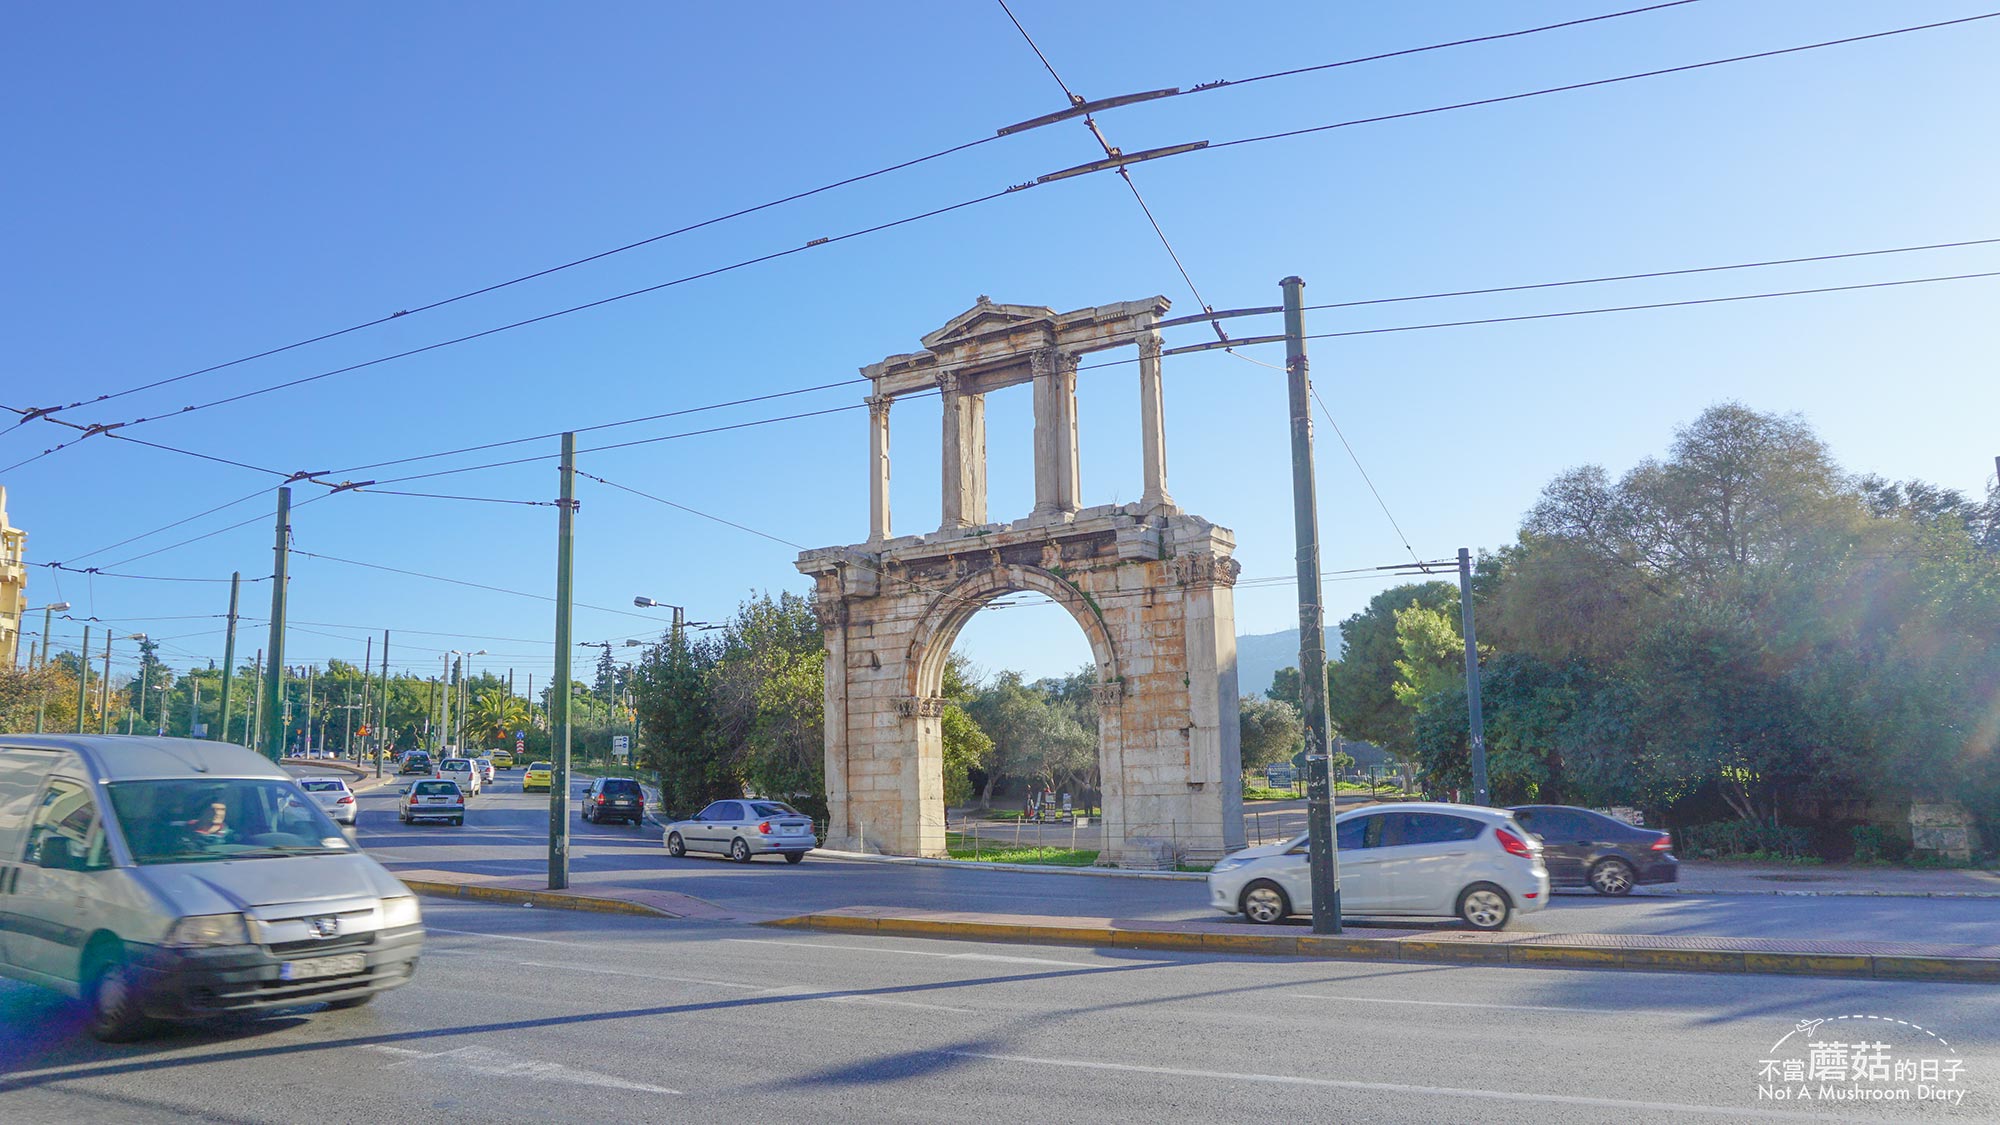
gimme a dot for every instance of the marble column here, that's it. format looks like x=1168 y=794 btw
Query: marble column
x=964 y=454
x=878 y=468
x=1152 y=428
x=1056 y=481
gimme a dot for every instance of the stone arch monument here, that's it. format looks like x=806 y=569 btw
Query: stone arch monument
x=1149 y=585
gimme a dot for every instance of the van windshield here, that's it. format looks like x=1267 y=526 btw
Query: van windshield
x=193 y=820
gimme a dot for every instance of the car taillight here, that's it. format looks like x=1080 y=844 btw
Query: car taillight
x=1513 y=844
x=345 y=801
x=600 y=798
x=1663 y=843
x=765 y=828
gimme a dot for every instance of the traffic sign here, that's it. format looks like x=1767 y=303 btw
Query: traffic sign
x=621 y=745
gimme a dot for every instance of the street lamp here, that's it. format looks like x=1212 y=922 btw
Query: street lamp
x=42 y=707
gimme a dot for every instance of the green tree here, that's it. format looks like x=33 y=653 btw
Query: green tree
x=965 y=745
x=1361 y=694
x=1271 y=730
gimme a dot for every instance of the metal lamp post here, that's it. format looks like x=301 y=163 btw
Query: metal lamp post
x=48 y=612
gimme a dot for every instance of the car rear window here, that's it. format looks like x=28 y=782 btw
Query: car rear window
x=772 y=808
x=622 y=786
x=436 y=788
x=322 y=786
x=539 y=766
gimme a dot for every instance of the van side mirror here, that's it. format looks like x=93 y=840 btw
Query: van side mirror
x=56 y=856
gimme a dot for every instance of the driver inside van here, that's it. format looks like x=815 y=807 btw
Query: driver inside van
x=210 y=824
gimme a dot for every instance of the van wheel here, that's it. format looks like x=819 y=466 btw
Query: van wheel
x=1484 y=906
x=1264 y=901
x=111 y=990
x=675 y=847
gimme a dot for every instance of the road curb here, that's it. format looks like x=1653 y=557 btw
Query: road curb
x=1692 y=956
x=1030 y=868
x=554 y=900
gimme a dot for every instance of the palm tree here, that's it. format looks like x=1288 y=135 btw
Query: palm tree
x=499 y=712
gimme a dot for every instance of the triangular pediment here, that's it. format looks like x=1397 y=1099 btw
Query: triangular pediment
x=984 y=317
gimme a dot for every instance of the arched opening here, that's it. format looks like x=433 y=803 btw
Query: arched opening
x=1050 y=738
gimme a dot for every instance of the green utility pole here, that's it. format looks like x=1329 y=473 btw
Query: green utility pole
x=382 y=741
x=104 y=691
x=1322 y=857
x=229 y=655
x=559 y=701
x=82 y=678
x=1473 y=715
x=274 y=672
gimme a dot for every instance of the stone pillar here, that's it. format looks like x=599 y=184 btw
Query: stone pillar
x=1056 y=481
x=964 y=455
x=833 y=626
x=878 y=468
x=1152 y=428
x=1207 y=574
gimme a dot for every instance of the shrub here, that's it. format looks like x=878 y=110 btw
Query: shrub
x=1744 y=839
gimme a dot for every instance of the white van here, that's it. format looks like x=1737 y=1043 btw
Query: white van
x=165 y=878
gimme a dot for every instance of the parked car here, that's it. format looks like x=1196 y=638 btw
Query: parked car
x=137 y=866
x=432 y=800
x=614 y=798
x=415 y=761
x=462 y=771
x=1405 y=860
x=485 y=767
x=538 y=776
x=743 y=830
x=332 y=796
x=1588 y=849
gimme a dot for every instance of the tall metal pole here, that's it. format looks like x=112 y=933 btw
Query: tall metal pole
x=1322 y=855
x=145 y=681
x=253 y=723
x=559 y=702
x=229 y=655
x=82 y=679
x=382 y=745
x=367 y=685
x=42 y=704
x=311 y=674
x=104 y=689
x=444 y=699
x=274 y=671
x=1477 y=720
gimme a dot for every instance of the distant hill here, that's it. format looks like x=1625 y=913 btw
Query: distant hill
x=1258 y=658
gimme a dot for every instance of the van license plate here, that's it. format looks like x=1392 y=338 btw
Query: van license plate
x=318 y=967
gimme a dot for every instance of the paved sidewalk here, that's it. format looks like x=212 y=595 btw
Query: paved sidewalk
x=1700 y=877
x=1845 y=959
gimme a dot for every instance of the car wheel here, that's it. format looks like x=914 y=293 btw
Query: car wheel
x=674 y=845
x=739 y=851
x=349 y=1002
x=1264 y=901
x=1612 y=877
x=1484 y=906
x=111 y=991
x=458 y=822
x=795 y=857
x=586 y=815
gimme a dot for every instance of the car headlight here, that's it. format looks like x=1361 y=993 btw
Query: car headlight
x=400 y=911
x=209 y=929
x=1228 y=864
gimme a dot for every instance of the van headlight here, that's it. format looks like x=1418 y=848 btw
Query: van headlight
x=209 y=929
x=400 y=911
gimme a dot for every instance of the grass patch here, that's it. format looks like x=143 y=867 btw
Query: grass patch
x=989 y=851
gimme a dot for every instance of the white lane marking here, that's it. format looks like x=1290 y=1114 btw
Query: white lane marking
x=801 y=993
x=917 y=952
x=485 y=1060
x=644 y=976
x=1404 y=1088
x=496 y=937
x=1458 y=1004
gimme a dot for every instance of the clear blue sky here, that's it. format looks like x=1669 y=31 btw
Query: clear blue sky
x=189 y=184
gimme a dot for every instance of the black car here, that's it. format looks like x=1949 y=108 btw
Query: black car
x=416 y=761
x=1588 y=849
x=614 y=798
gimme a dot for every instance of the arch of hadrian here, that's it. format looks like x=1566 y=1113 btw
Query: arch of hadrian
x=1149 y=585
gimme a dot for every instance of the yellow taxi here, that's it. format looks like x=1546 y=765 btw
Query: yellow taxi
x=537 y=777
x=502 y=760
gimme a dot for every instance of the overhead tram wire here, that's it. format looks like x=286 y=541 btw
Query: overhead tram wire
x=29 y=414
x=1105 y=166
x=463 y=582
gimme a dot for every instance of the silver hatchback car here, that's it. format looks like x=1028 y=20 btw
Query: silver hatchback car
x=744 y=829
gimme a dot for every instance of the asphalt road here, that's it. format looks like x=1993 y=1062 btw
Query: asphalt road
x=506 y=833
x=531 y=1015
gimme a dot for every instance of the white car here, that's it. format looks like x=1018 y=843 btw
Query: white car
x=485 y=768
x=1402 y=860
x=462 y=771
x=332 y=796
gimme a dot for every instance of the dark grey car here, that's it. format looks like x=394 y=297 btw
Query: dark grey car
x=1583 y=848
